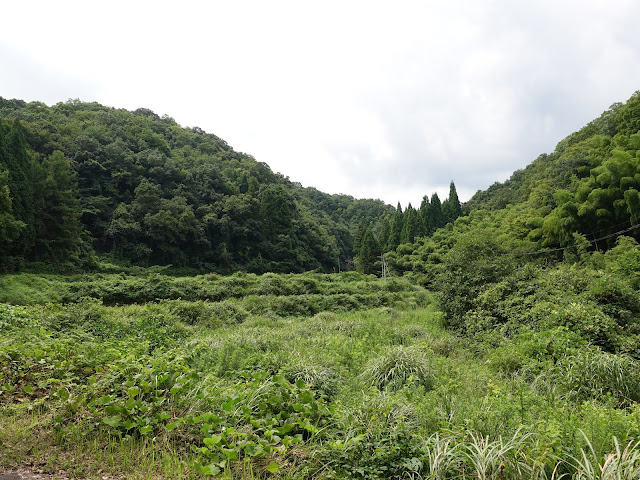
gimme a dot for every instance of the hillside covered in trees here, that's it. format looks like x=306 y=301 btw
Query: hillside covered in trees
x=78 y=178
x=555 y=246
x=505 y=345
x=579 y=198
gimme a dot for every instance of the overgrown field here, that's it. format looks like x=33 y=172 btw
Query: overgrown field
x=298 y=376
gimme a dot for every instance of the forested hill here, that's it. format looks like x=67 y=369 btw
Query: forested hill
x=78 y=178
x=590 y=180
x=578 y=199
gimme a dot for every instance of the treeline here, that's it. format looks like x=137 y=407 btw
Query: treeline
x=79 y=178
x=404 y=227
x=39 y=205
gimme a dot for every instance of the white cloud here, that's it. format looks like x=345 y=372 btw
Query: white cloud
x=372 y=99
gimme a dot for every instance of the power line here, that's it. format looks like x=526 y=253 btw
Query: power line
x=559 y=249
x=610 y=227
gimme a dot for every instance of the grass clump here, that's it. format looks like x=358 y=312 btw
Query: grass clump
x=593 y=374
x=619 y=464
x=398 y=367
x=322 y=380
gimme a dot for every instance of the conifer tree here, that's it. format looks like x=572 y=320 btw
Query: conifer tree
x=397 y=223
x=411 y=227
x=385 y=231
x=57 y=217
x=437 y=214
x=424 y=212
x=368 y=254
x=20 y=182
x=451 y=207
x=9 y=227
x=357 y=239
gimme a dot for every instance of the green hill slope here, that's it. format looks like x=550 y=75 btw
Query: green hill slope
x=79 y=177
x=552 y=249
x=588 y=185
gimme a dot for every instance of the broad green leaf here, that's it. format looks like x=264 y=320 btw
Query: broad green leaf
x=112 y=421
x=212 y=440
x=133 y=391
x=62 y=393
x=210 y=469
x=230 y=454
x=273 y=467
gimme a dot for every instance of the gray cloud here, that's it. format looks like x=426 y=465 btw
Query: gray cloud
x=476 y=110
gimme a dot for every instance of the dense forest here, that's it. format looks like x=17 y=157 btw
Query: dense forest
x=80 y=178
x=504 y=345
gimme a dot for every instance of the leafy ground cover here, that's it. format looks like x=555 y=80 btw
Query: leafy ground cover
x=298 y=376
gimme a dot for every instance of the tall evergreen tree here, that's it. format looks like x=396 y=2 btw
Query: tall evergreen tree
x=357 y=239
x=424 y=213
x=437 y=214
x=57 y=217
x=411 y=227
x=451 y=207
x=9 y=227
x=368 y=254
x=20 y=183
x=397 y=222
x=385 y=231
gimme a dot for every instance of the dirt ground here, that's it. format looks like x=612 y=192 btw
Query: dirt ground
x=24 y=474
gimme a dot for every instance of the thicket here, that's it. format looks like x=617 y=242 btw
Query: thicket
x=358 y=392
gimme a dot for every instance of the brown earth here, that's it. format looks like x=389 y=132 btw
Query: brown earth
x=24 y=474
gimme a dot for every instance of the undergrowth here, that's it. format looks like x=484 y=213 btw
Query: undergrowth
x=255 y=385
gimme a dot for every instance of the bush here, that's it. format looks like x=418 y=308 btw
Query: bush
x=529 y=353
x=473 y=263
x=375 y=439
x=208 y=314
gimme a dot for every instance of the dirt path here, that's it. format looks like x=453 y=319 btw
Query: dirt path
x=23 y=474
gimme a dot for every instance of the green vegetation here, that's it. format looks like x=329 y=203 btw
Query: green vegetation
x=505 y=344
x=300 y=376
x=79 y=180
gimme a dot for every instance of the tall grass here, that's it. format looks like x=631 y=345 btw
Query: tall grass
x=596 y=374
x=499 y=458
x=399 y=366
x=620 y=464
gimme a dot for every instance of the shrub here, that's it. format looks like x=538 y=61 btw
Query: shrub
x=530 y=352
x=474 y=262
x=375 y=439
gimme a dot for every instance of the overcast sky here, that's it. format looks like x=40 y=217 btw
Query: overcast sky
x=388 y=100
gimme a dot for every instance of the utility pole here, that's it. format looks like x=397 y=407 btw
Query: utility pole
x=385 y=269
